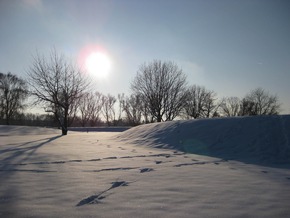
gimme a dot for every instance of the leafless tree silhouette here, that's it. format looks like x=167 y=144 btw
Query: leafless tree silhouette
x=13 y=92
x=90 y=107
x=200 y=102
x=108 y=102
x=259 y=102
x=59 y=85
x=230 y=106
x=133 y=108
x=162 y=86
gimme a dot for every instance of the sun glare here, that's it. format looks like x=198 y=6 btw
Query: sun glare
x=98 y=64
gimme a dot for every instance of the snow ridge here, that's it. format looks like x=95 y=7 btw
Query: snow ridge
x=259 y=139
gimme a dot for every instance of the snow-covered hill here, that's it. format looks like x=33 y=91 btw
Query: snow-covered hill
x=261 y=138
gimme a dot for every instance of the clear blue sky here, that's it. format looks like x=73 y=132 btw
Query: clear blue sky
x=228 y=46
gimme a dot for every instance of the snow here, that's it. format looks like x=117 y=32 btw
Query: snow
x=240 y=168
x=262 y=139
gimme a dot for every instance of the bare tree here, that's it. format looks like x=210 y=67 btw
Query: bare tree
x=90 y=107
x=13 y=92
x=121 y=99
x=108 y=102
x=133 y=109
x=259 y=102
x=211 y=106
x=59 y=85
x=230 y=106
x=86 y=106
x=162 y=87
x=96 y=110
x=200 y=102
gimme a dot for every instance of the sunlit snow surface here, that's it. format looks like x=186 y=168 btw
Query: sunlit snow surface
x=241 y=169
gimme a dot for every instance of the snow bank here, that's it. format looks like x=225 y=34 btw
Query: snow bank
x=261 y=138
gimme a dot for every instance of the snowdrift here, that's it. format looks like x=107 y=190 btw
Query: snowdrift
x=263 y=139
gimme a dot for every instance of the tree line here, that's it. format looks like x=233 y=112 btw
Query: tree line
x=159 y=92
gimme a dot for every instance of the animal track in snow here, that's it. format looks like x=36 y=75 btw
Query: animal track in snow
x=112 y=169
x=199 y=163
x=108 y=158
x=94 y=159
x=145 y=170
x=97 y=159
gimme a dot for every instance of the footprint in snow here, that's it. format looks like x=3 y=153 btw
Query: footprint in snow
x=107 y=158
x=145 y=170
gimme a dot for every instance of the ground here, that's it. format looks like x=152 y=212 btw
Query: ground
x=96 y=174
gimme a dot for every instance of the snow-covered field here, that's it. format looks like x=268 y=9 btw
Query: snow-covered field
x=236 y=167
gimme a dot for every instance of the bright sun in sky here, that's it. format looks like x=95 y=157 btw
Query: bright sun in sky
x=98 y=64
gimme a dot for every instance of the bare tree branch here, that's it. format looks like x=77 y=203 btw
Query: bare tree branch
x=13 y=92
x=59 y=85
x=259 y=102
x=162 y=87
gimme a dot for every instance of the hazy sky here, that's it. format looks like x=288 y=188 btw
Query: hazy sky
x=230 y=47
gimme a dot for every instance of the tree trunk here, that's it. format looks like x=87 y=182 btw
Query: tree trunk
x=65 y=122
x=64 y=131
x=159 y=118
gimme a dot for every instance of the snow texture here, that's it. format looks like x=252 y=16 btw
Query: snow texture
x=234 y=167
x=250 y=139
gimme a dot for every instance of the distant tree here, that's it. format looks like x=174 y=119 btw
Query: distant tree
x=90 y=106
x=96 y=110
x=230 y=106
x=211 y=105
x=86 y=108
x=121 y=99
x=108 y=109
x=162 y=86
x=259 y=102
x=247 y=108
x=133 y=109
x=31 y=119
x=200 y=102
x=13 y=92
x=59 y=85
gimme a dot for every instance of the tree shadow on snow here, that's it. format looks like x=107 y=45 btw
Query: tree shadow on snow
x=17 y=155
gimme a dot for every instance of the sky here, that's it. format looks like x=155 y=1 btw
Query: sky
x=228 y=46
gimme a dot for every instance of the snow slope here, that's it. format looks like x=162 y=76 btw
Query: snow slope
x=256 y=139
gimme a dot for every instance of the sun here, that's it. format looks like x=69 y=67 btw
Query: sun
x=98 y=64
